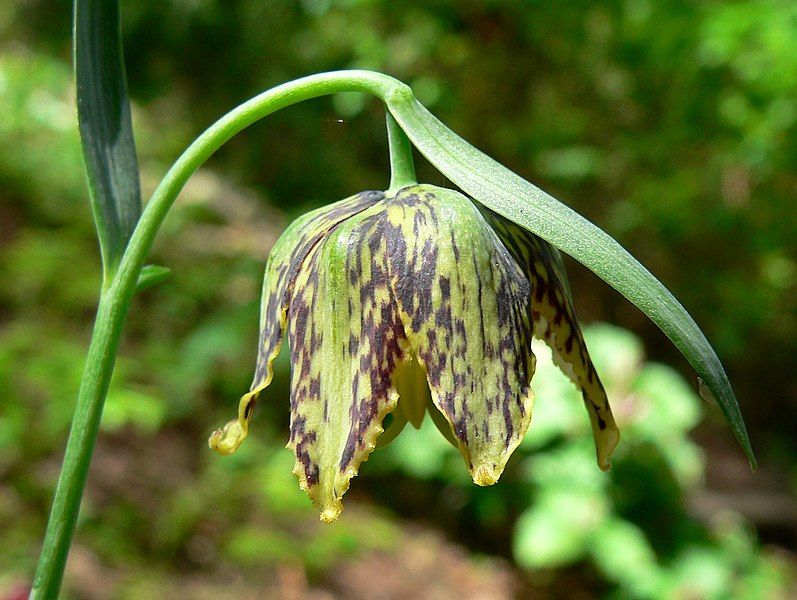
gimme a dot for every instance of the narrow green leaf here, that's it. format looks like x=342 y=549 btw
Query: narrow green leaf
x=152 y=275
x=508 y=194
x=106 y=131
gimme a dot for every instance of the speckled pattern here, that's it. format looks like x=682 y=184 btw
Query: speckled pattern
x=464 y=304
x=372 y=284
x=556 y=324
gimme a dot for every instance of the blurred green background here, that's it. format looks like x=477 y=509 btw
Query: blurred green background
x=670 y=124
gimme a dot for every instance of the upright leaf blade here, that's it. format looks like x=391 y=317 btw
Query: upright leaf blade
x=506 y=193
x=105 y=126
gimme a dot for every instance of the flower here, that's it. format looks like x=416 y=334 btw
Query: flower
x=408 y=303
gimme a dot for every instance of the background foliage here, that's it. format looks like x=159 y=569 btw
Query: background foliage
x=672 y=125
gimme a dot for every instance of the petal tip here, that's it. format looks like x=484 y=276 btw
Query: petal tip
x=605 y=448
x=226 y=440
x=330 y=514
x=485 y=475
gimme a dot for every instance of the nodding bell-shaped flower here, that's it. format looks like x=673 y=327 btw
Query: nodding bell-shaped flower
x=406 y=303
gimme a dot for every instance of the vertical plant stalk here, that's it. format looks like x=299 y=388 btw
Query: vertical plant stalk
x=109 y=154
x=117 y=296
x=82 y=436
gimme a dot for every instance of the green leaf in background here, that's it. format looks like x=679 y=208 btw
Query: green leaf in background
x=508 y=194
x=105 y=126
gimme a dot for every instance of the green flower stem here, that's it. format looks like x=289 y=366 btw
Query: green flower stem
x=117 y=294
x=402 y=167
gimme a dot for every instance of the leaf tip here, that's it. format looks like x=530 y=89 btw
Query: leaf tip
x=152 y=275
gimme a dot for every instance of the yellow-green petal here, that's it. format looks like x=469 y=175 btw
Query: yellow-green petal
x=413 y=391
x=393 y=425
x=556 y=324
x=346 y=341
x=284 y=263
x=464 y=303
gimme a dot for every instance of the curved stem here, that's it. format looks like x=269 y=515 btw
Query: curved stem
x=116 y=297
x=402 y=167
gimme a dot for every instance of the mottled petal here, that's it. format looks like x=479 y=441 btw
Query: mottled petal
x=464 y=303
x=283 y=264
x=346 y=341
x=555 y=322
